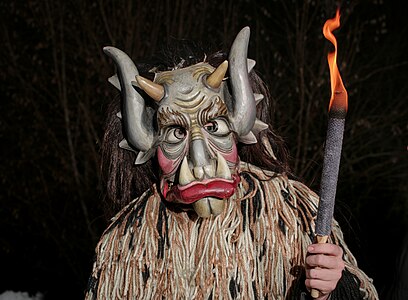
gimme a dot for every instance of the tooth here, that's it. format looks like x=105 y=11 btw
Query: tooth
x=185 y=176
x=202 y=208
x=209 y=170
x=223 y=170
x=198 y=172
x=216 y=205
x=208 y=207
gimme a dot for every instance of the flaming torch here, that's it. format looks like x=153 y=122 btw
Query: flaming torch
x=334 y=139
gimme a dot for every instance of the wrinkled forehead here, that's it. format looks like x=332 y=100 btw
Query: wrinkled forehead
x=186 y=92
x=184 y=80
x=187 y=83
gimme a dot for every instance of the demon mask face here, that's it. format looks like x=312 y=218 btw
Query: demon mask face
x=195 y=127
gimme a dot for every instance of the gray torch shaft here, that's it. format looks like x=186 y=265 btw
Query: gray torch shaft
x=330 y=172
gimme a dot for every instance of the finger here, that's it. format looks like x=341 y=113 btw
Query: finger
x=324 y=261
x=324 y=274
x=324 y=287
x=328 y=249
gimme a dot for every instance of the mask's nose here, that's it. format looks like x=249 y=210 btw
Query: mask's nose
x=200 y=156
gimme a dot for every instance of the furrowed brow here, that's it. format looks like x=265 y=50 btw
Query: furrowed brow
x=168 y=117
x=215 y=109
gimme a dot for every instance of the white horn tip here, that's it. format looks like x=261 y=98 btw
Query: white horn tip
x=108 y=49
x=251 y=64
x=144 y=156
x=259 y=126
x=114 y=80
x=258 y=98
x=125 y=145
x=248 y=138
x=246 y=29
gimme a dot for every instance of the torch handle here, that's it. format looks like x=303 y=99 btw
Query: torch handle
x=320 y=239
x=330 y=172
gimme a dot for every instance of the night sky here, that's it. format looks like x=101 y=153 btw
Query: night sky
x=55 y=91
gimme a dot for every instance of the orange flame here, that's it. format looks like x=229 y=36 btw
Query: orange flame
x=338 y=101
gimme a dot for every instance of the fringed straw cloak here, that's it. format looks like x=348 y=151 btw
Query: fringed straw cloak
x=254 y=250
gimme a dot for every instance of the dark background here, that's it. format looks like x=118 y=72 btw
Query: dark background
x=54 y=92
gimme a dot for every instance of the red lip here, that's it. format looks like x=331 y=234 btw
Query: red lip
x=214 y=187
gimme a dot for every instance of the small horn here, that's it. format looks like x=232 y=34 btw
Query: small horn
x=154 y=90
x=216 y=77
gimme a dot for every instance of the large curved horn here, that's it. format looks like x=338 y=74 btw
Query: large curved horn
x=244 y=107
x=137 y=122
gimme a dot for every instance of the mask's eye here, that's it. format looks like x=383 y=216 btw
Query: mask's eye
x=217 y=127
x=212 y=127
x=175 y=134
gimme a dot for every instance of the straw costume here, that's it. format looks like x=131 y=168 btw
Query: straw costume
x=216 y=215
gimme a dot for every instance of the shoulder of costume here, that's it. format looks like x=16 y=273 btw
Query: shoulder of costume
x=304 y=191
x=261 y=173
x=137 y=204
